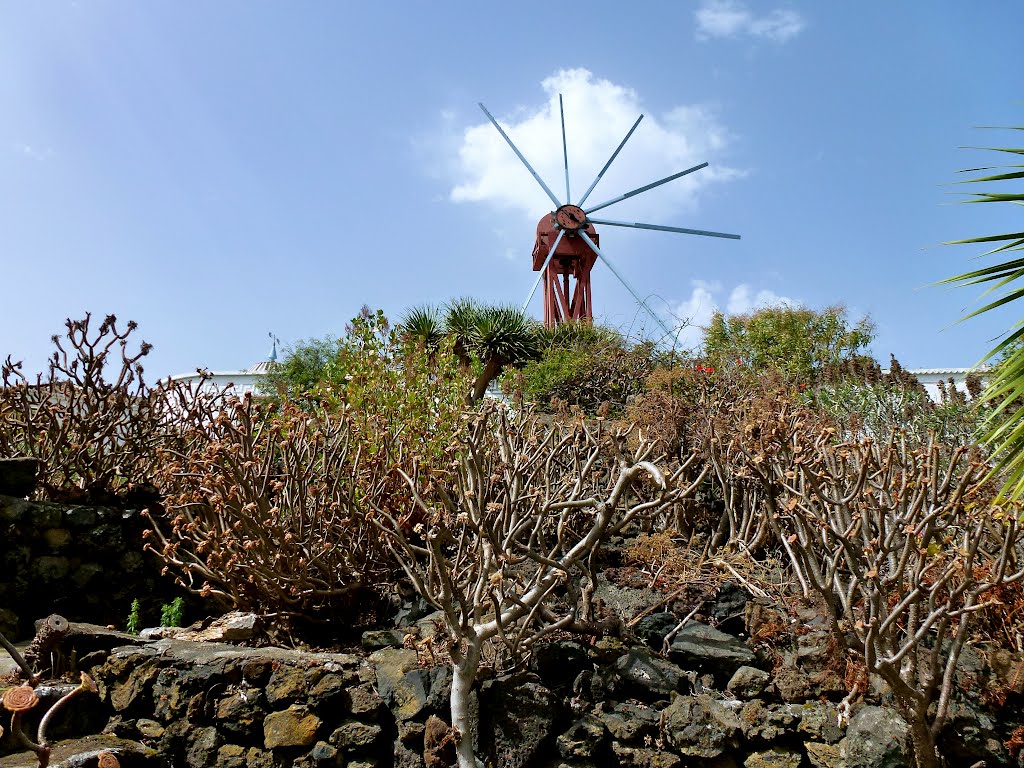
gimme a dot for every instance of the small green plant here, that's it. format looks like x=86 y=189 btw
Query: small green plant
x=172 y=614
x=134 y=623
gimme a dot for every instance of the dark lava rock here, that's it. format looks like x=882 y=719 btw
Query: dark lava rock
x=375 y=639
x=630 y=721
x=878 y=737
x=517 y=720
x=969 y=736
x=587 y=738
x=653 y=629
x=729 y=608
x=748 y=682
x=705 y=649
x=767 y=722
x=558 y=663
x=643 y=674
x=700 y=726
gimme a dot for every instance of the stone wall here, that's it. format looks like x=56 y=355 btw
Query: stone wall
x=85 y=563
x=708 y=700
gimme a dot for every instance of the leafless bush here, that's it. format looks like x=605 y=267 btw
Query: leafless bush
x=506 y=552
x=261 y=509
x=91 y=419
x=688 y=410
x=903 y=544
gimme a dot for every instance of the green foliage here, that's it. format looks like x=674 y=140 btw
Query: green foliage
x=585 y=366
x=423 y=324
x=800 y=343
x=134 y=621
x=879 y=410
x=504 y=333
x=485 y=339
x=1004 y=425
x=374 y=369
x=303 y=368
x=172 y=614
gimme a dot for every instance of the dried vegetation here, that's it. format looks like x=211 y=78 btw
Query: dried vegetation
x=856 y=494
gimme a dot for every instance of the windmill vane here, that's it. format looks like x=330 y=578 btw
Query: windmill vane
x=568 y=246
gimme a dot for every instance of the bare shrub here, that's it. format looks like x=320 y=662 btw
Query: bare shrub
x=264 y=500
x=90 y=419
x=903 y=543
x=260 y=510
x=506 y=549
x=688 y=409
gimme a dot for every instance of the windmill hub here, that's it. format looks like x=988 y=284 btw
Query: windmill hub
x=567 y=246
x=570 y=218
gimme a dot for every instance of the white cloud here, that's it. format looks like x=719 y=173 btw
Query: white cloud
x=598 y=114
x=744 y=299
x=730 y=18
x=692 y=315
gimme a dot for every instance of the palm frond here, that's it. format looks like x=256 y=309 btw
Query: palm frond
x=506 y=333
x=1003 y=428
x=423 y=324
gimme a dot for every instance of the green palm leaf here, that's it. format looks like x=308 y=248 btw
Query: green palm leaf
x=423 y=325
x=1003 y=428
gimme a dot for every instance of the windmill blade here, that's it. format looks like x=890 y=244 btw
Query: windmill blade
x=641 y=302
x=543 y=269
x=637 y=191
x=661 y=228
x=519 y=154
x=565 y=150
x=608 y=164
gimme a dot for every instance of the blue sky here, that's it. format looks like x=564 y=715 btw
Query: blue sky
x=216 y=171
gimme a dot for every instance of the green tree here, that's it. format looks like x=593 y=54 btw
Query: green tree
x=485 y=339
x=379 y=373
x=303 y=368
x=1003 y=428
x=586 y=365
x=798 y=342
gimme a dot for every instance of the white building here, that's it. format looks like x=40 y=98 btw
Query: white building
x=930 y=378
x=241 y=382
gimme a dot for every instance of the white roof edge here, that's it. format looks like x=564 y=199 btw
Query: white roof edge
x=920 y=371
x=197 y=374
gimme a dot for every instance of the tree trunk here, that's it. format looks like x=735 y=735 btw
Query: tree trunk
x=464 y=668
x=492 y=369
x=925 y=755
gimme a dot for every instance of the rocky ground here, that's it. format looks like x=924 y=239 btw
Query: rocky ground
x=762 y=695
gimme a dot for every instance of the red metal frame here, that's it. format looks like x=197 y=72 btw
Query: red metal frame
x=567 y=294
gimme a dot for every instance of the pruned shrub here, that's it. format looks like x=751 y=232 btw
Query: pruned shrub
x=903 y=543
x=264 y=500
x=260 y=511
x=506 y=550
x=91 y=420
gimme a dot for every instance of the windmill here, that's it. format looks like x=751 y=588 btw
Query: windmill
x=568 y=246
